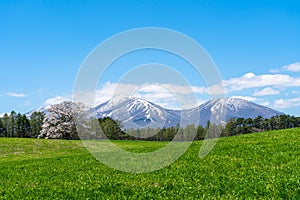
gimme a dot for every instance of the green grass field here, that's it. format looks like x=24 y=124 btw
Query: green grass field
x=261 y=165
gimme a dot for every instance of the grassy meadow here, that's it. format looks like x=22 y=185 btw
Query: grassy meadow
x=262 y=165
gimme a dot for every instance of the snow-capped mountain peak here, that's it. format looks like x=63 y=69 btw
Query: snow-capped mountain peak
x=236 y=107
x=132 y=111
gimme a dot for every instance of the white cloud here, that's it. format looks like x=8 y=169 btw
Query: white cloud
x=109 y=90
x=174 y=96
x=265 y=103
x=266 y=91
x=13 y=94
x=218 y=89
x=294 y=67
x=275 y=71
x=248 y=98
x=56 y=100
x=166 y=95
x=287 y=103
x=250 y=80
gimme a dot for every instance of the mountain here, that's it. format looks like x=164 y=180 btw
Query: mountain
x=233 y=108
x=136 y=113
x=139 y=113
x=43 y=109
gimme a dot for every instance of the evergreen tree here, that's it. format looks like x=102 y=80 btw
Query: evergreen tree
x=19 y=126
x=257 y=122
x=2 y=128
x=189 y=132
x=248 y=125
x=26 y=127
x=5 y=121
x=36 y=122
x=240 y=125
x=111 y=128
x=200 y=133
x=11 y=128
x=230 y=128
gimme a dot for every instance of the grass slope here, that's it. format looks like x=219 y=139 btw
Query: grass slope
x=262 y=165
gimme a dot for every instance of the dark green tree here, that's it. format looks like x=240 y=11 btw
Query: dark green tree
x=257 y=122
x=190 y=132
x=230 y=128
x=111 y=128
x=5 y=121
x=2 y=128
x=19 y=126
x=11 y=128
x=26 y=127
x=36 y=122
x=200 y=133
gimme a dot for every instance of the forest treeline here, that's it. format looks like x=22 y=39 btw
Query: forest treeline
x=242 y=126
x=235 y=126
x=18 y=125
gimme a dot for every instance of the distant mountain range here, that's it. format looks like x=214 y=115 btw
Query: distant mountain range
x=139 y=113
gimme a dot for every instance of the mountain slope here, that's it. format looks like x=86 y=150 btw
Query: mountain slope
x=136 y=113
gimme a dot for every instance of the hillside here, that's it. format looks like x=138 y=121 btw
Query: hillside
x=261 y=165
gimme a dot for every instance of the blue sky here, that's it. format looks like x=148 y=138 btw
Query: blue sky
x=255 y=45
